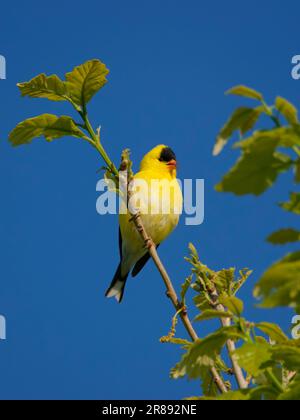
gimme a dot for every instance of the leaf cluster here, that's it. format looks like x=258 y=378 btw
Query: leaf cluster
x=265 y=154
x=269 y=359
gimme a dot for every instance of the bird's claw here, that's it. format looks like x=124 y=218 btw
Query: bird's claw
x=135 y=217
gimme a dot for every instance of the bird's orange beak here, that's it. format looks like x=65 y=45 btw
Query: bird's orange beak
x=172 y=164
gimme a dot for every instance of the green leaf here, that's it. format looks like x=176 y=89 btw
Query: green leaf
x=193 y=251
x=181 y=341
x=233 y=304
x=243 y=119
x=245 y=92
x=288 y=110
x=241 y=395
x=289 y=355
x=273 y=331
x=201 y=302
x=252 y=356
x=42 y=86
x=80 y=86
x=85 y=80
x=244 y=275
x=284 y=236
x=208 y=385
x=252 y=394
x=292 y=393
x=287 y=137
x=256 y=170
x=47 y=125
x=212 y=314
x=64 y=126
x=185 y=287
x=225 y=279
x=280 y=285
x=293 y=205
x=203 y=353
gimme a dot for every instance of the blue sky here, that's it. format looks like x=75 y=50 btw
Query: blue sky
x=170 y=64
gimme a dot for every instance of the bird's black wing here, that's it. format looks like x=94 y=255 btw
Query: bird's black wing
x=141 y=264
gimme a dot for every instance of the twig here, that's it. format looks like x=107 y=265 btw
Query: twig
x=272 y=378
x=226 y=322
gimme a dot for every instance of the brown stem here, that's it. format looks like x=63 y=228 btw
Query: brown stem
x=226 y=322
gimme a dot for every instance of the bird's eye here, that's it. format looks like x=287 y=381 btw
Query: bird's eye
x=167 y=155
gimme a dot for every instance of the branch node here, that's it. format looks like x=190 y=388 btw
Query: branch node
x=134 y=218
x=168 y=294
x=183 y=309
x=149 y=243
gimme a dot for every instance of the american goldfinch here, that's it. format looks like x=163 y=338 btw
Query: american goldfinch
x=158 y=198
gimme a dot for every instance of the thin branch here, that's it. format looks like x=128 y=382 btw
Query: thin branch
x=272 y=378
x=226 y=322
x=95 y=142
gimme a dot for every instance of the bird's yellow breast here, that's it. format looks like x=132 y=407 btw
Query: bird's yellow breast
x=158 y=198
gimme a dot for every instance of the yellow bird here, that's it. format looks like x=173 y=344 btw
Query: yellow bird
x=158 y=198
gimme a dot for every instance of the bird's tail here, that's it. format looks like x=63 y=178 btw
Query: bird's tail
x=117 y=287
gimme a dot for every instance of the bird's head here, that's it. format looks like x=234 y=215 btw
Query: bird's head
x=161 y=158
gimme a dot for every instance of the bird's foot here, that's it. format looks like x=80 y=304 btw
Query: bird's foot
x=135 y=217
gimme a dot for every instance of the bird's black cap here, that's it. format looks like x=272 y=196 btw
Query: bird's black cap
x=167 y=155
